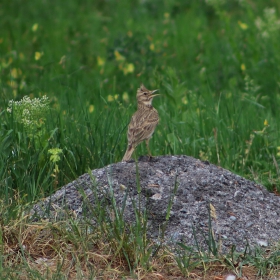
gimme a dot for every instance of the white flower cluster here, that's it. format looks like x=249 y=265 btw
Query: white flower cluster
x=270 y=24
x=26 y=101
x=30 y=112
x=250 y=85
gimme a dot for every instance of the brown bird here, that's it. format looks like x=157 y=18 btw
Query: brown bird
x=143 y=121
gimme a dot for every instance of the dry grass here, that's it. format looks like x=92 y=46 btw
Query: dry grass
x=59 y=250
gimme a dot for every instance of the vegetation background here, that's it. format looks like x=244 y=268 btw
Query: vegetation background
x=215 y=62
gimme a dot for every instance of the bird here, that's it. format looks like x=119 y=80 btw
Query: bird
x=143 y=122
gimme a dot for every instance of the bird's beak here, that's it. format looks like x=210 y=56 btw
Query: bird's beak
x=153 y=95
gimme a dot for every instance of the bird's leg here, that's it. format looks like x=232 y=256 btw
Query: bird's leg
x=148 y=148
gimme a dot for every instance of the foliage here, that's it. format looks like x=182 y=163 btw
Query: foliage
x=30 y=112
x=216 y=63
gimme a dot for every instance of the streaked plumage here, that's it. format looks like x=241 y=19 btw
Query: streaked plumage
x=143 y=121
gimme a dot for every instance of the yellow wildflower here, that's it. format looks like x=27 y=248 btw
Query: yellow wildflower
x=110 y=98
x=125 y=96
x=34 y=27
x=185 y=100
x=166 y=15
x=100 y=61
x=128 y=68
x=118 y=56
x=278 y=151
x=242 y=25
x=38 y=55
x=15 y=73
x=91 y=108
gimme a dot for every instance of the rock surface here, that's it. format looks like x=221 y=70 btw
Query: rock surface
x=241 y=211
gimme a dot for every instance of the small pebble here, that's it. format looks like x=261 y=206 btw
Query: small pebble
x=156 y=196
x=249 y=224
x=262 y=243
x=230 y=277
x=232 y=218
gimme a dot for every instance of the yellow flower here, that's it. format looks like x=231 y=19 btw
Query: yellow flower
x=125 y=97
x=100 y=61
x=152 y=47
x=110 y=98
x=13 y=84
x=5 y=63
x=243 y=67
x=118 y=56
x=15 y=73
x=128 y=68
x=38 y=55
x=91 y=108
x=34 y=27
x=265 y=122
x=185 y=100
x=166 y=15
x=242 y=25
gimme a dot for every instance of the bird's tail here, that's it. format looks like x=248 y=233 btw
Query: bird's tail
x=128 y=153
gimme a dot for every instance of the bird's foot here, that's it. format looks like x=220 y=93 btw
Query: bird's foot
x=147 y=159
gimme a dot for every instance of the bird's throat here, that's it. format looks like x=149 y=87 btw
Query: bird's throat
x=142 y=105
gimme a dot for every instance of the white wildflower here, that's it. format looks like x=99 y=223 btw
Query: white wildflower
x=269 y=24
x=30 y=112
x=250 y=85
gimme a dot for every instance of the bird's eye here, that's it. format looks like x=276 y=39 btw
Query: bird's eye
x=145 y=93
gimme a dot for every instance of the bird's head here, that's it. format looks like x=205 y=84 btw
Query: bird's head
x=145 y=96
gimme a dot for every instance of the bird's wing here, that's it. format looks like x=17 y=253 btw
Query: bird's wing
x=142 y=126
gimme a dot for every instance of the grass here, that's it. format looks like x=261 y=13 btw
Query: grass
x=104 y=246
x=216 y=64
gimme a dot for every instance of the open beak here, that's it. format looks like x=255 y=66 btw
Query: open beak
x=154 y=95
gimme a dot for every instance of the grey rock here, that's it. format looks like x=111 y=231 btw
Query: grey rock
x=262 y=243
x=232 y=218
x=256 y=211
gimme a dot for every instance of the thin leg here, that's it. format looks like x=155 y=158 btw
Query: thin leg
x=148 y=148
x=128 y=153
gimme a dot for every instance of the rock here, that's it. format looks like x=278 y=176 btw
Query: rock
x=262 y=243
x=244 y=211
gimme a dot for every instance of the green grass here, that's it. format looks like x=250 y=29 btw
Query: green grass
x=216 y=65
